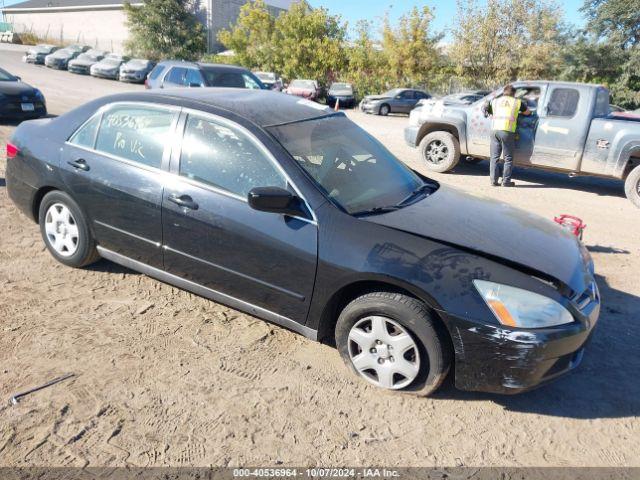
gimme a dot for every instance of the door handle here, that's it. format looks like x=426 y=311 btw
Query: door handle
x=183 y=201
x=80 y=164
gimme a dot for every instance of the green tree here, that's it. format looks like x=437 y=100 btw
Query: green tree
x=165 y=29
x=251 y=38
x=614 y=28
x=310 y=43
x=366 y=63
x=500 y=41
x=411 y=49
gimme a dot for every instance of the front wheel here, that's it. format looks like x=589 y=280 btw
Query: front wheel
x=393 y=342
x=632 y=186
x=65 y=231
x=440 y=151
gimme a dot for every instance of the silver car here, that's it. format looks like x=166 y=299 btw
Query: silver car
x=398 y=100
x=38 y=53
x=60 y=59
x=82 y=64
x=108 y=67
x=136 y=70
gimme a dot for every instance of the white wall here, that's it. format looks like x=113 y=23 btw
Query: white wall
x=104 y=29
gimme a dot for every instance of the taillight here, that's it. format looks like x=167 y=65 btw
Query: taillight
x=12 y=150
x=146 y=83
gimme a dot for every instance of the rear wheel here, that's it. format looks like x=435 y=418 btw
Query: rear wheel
x=440 y=151
x=393 y=342
x=632 y=186
x=65 y=231
x=385 y=110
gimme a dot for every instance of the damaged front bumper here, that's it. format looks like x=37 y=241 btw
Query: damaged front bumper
x=495 y=359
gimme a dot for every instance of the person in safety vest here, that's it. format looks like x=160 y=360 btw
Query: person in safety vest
x=504 y=111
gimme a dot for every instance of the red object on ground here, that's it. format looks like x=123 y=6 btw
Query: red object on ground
x=574 y=224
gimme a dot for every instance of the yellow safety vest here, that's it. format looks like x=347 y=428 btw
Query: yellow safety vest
x=505 y=113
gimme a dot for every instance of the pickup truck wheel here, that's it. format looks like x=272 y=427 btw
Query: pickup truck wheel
x=440 y=151
x=393 y=342
x=632 y=186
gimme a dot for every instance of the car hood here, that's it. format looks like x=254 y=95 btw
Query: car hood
x=376 y=97
x=298 y=90
x=84 y=63
x=15 y=88
x=341 y=93
x=494 y=229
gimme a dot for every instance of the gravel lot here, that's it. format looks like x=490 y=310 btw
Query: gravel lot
x=165 y=378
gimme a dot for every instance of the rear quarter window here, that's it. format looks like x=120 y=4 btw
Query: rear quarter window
x=156 y=72
x=85 y=136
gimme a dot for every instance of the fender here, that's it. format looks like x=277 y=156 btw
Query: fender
x=454 y=122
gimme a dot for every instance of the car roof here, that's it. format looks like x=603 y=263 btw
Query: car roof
x=262 y=107
x=218 y=66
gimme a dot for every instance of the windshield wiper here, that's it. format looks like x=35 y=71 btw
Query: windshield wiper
x=421 y=189
x=376 y=210
x=425 y=187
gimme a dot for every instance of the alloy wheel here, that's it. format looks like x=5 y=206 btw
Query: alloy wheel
x=383 y=352
x=437 y=151
x=61 y=229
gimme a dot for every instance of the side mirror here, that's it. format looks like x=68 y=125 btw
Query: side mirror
x=275 y=200
x=18 y=78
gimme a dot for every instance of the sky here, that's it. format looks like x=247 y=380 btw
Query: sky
x=354 y=10
x=444 y=10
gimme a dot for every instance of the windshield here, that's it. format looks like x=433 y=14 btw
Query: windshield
x=340 y=87
x=63 y=53
x=392 y=93
x=138 y=63
x=89 y=56
x=6 y=76
x=111 y=61
x=303 y=84
x=266 y=76
x=353 y=168
x=42 y=49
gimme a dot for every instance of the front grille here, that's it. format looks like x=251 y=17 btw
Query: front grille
x=583 y=299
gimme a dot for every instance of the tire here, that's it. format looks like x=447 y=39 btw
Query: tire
x=440 y=151
x=68 y=239
x=427 y=360
x=632 y=186
x=384 y=110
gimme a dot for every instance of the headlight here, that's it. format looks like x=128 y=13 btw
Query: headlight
x=514 y=307
x=39 y=95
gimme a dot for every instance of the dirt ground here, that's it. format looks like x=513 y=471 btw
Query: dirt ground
x=166 y=378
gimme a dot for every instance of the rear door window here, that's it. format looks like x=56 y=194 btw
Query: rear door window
x=135 y=133
x=563 y=102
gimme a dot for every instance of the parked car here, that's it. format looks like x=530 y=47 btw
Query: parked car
x=18 y=99
x=572 y=130
x=243 y=197
x=342 y=92
x=38 y=53
x=465 y=98
x=398 y=100
x=60 y=58
x=175 y=74
x=308 y=89
x=82 y=64
x=108 y=67
x=136 y=70
x=270 y=80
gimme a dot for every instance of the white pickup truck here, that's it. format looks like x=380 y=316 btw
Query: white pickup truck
x=572 y=130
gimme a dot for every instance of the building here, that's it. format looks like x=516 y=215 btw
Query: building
x=102 y=23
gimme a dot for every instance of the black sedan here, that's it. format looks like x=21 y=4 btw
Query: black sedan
x=18 y=99
x=288 y=211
